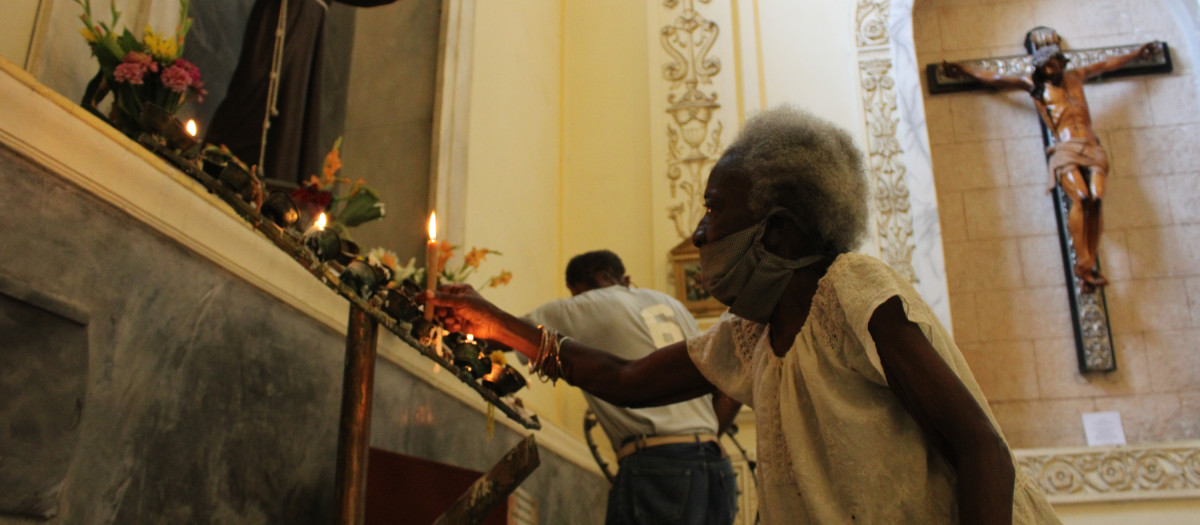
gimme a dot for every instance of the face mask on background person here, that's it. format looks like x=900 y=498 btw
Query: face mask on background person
x=739 y=271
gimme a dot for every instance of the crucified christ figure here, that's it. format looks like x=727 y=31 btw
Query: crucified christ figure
x=1077 y=161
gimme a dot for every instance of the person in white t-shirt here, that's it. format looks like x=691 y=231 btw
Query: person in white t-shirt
x=671 y=466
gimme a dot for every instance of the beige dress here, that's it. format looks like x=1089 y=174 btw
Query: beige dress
x=835 y=445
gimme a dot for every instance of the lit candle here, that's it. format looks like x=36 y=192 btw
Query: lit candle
x=325 y=244
x=431 y=263
x=191 y=127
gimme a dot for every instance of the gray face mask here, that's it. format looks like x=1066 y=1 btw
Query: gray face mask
x=739 y=272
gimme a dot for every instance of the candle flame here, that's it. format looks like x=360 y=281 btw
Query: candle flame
x=432 y=226
x=191 y=127
x=494 y=374
x=321 y=222
x=470 y=338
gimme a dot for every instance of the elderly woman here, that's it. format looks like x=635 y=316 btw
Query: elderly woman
x=866 y=410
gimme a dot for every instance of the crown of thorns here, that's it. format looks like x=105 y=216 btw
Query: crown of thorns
x=1043 y=54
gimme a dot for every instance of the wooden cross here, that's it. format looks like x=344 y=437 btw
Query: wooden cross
x=1089 y=311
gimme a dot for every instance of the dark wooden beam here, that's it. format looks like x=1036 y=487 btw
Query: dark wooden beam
x=1017 y=65
x=483 y=495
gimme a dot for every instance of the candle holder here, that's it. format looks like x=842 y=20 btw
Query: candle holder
x=401 y=302
x=348 y=252
x=365 y=278
x=425 y=332
x=241 y=182
x=505 y=383
x=469 y=355
x=280 y=209
x=164 y=124
x=325 y=244
x=212 y=162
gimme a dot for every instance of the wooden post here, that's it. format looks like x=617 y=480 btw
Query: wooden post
x=475 y=504
x=354 y=428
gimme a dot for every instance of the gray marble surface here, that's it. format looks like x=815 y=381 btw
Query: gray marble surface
x=206 y=400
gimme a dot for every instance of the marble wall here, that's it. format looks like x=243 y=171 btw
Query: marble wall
x=203 y=399
x=1007 y=294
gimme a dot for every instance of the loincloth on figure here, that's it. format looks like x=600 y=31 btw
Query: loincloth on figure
x=1076 y=152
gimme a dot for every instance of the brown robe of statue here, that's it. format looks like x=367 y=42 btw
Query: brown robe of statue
x=293 y=149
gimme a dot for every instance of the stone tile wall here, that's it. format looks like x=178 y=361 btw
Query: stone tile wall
x=1008 y=298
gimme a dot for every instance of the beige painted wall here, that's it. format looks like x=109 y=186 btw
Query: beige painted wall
x=1008 y=300
x=16 y=29
x=513 y=184
x=606 y=147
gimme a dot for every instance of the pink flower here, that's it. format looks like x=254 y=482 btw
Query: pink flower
x=133 y=68
x=192 y=71
x=129 y=72
x=176 y=78
x=143 y=59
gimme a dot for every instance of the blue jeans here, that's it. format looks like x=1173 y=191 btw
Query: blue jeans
x=687 y=483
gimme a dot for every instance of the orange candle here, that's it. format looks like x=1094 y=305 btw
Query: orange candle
x=431 y=262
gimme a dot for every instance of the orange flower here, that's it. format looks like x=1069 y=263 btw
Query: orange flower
x=475 y=257
x=500 y=280
x=445 y=252
x=333 y=163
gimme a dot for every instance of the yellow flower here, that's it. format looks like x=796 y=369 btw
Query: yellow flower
x=475 y=257
x=500 y=280
x=164 y=49
x=88 y=35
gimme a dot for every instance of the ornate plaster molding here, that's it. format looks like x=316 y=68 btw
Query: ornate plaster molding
x=894 y=221
x=1170 y=470
x=693 y=134
x=871 y=19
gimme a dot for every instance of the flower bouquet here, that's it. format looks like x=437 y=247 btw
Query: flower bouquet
x=359 y=205
x=147 y=77
x=402 y=299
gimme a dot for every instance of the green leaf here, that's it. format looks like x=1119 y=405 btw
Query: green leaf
x=363 y=206
x=130 y=42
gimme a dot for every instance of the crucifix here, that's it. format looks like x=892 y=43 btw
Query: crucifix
x=1078 y=164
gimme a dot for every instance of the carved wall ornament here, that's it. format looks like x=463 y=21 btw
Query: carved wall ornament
x=894 y=221
x=872 y=19
x=1115 y=473
x=693 y=134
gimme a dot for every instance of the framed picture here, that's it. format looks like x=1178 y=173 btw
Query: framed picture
x=689 y=289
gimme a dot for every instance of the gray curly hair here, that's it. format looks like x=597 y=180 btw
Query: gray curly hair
x=809 y=166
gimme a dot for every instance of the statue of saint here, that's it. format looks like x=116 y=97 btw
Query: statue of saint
x=1077 y=161
x=293 y=152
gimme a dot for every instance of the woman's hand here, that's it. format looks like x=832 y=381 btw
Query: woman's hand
x=461 y=309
